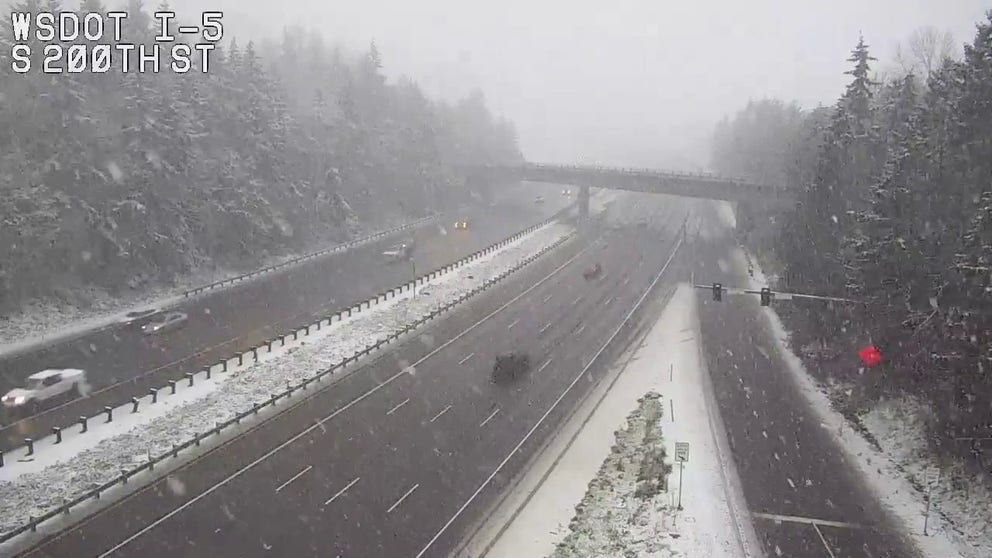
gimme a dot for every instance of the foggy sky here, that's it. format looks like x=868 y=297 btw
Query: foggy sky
x=623 y=82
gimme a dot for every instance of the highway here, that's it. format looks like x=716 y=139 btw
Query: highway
x=121 y=362
x=400 y=457
x=806 y=500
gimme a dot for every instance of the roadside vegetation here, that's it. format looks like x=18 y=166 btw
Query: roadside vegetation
x=894 y=208
x=120 y=182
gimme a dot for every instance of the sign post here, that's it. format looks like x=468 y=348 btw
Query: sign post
x=682 y=456
x=932 y=478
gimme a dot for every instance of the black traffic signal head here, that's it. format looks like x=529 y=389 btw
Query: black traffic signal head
x=717 y=292
x=766 y=296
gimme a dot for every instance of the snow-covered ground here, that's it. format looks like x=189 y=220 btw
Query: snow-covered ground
x=889 y=473
x=963 y=498
x=42 y=321
x=86 y=460
x=580 y=497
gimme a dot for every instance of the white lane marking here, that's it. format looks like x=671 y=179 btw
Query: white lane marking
x=320 y=423
x=397 y=408
x=515 y=322
x=824 y=541
x=489 y=418
x=626 y=280
x=342 y=491
x=608 y=301
x=576 y=301
x=403 y=497
x=445 y=410
x=543 y=366
x=605 y=275
x=464 y=360
x=296 y=476
x=580 y=330
x=547 y=298
x=547 y=413
x=545 y=328
x=806 y=520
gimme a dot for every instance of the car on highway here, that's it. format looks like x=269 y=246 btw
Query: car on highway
x=592 y=272
x=168 y=322
x=539 y=200
x=566 y=192
x=138 y=315
x=44 y=386
x=461 y=225
x=399 y=252
x=509 y=367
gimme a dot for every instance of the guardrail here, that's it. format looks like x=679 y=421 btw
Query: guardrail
x=31 y=525
x=336 y=248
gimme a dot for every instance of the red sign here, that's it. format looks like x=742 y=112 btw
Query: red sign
x=870 y=355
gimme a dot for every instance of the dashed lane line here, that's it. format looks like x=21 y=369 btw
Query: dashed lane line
x=445 y=410
x=342 y=491
x=403 y=497
x=296 y=476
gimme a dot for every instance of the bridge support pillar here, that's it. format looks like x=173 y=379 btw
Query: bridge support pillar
x=583 y=201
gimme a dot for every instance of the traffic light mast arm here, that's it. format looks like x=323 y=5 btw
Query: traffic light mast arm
x=719 y=289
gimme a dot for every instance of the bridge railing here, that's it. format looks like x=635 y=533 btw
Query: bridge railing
x=642 y=172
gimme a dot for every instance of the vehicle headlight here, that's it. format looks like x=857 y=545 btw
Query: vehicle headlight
x=20 y=400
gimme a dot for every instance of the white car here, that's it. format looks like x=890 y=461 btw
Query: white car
x=45 y=385
x=398 y=252
x=167 y=322
x=138 y=315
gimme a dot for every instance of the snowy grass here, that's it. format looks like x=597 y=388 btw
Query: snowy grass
x=962 y=497
x=34 y=493
x=627 y=509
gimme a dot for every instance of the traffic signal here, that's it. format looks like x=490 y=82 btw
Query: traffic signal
x=717 y=292
x=766 y=296
x=870 y=356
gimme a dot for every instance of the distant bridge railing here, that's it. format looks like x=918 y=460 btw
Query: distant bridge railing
x=688 y=184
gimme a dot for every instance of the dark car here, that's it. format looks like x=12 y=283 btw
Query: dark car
x=168 y=322
x=592 y=272
x=509 y=367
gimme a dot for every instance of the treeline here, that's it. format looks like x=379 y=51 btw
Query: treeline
x=895 y=209
x=120 y=180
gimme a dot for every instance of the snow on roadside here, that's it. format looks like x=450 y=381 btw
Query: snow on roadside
x=899 y=425
x=37 y=492
x=45 y=320
x=537 y=513
x=627 y=510
x=883 y=473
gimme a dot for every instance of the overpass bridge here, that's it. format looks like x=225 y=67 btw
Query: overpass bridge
x=706 y=186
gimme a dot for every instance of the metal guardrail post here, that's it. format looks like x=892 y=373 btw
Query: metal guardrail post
x=57 y=432
x=154 y=393
x=189 y=378
x=172 y=386
x=30 y=445
x=134 y=403
x=83 y=424
x=110 y=413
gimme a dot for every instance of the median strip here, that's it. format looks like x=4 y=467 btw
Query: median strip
x=267 y=377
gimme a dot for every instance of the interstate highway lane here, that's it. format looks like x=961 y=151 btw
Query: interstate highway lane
x=789 y=465
x=228 y=321
x=378 y=464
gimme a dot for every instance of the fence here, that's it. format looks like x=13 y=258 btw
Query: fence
x=31 y=525
x=294 y=261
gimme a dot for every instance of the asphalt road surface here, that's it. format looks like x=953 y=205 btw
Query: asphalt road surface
x=122 y=362
x=400 y=457
x=806 y=500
